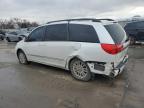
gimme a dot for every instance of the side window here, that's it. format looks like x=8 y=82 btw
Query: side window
x=13 y=33
x=83 y=33
x=37 y=34
x=57 y=32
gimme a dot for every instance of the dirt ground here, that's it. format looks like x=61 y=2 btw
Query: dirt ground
x=40 y=86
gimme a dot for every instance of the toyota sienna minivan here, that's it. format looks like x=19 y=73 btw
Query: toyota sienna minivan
x=83 y=46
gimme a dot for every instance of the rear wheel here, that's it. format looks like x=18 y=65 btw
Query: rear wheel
x=80 y=70
x=22 y=57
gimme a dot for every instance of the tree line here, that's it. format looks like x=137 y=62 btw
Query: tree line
x=16 y=23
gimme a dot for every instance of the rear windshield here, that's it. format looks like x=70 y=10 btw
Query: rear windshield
x=117 y=33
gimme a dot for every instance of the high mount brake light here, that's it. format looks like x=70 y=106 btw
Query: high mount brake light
x=112 y=48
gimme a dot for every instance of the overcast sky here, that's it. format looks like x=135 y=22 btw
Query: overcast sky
x=46 y=10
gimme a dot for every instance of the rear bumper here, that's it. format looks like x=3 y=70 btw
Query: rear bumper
x=108 y=69
x=119 y=68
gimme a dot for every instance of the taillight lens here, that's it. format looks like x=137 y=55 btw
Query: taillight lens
x=112 y=48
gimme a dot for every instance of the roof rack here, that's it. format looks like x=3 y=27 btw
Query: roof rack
x=81 y=19
x=107 y=19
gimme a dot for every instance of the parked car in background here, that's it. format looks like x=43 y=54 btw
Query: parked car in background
x=83 y=46
x=15 y=36
x=2 y=35
x=30 y=29
x=135 y=31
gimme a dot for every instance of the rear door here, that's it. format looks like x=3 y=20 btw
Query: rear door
x=120 y=38
x=56 y=48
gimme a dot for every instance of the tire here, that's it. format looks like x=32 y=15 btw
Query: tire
x=8 y=39
x=80 y=70
x=22 y=58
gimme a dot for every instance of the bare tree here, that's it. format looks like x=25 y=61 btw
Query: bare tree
x=10 y=24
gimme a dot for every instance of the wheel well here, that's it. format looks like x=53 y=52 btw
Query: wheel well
x=71 y=60
x=19 y=51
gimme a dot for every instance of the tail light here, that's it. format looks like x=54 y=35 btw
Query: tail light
x=112 y=48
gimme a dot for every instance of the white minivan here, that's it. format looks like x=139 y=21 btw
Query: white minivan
x=83 y=46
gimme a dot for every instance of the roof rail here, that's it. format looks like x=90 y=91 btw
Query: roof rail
x=81 y=19
x=107 y=19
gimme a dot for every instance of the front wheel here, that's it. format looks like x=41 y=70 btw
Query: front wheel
x=22 y=57
x=80 y=70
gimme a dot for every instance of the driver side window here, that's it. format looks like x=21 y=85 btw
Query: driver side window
x=37 y=35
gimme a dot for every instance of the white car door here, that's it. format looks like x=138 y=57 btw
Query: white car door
x=32 y=44
x=56 y=48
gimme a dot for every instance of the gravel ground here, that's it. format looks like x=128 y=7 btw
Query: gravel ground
x=40 y=86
